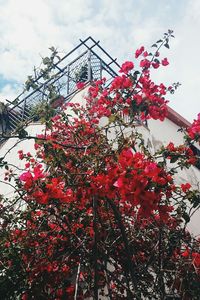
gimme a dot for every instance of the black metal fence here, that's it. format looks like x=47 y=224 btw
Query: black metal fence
x=86 y=62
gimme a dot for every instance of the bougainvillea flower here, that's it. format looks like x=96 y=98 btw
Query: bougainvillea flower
x=126 y=67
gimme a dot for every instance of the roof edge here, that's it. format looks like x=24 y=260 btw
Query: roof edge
x=177 y=119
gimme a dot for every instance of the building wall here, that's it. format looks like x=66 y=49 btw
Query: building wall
x=161 y=134
x=11 y=147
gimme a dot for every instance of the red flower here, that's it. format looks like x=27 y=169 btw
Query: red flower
x=40 y=197
x=118 y=183
x=196 y=259
x=171 y=147
x=155 y=65
x=21 y=154
x=194 y=129
x=145 y=63
x=27 y=165
x=126 y=67
x=121 y=82
x=139 y=51
x=59 y=292
x=26 y=176
x=152 y=169
x=70 y=290
x=145 y=54
x=186 y=253
x=165 y=62
x=185 y=187
x=80 y=85
x=36 y=146
x=24 y=296
x=38 y=173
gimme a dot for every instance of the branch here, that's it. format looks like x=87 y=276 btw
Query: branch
x=44 y=139
x=77 y=280
x=16 y=189
x=126 y=244
x=95 y=250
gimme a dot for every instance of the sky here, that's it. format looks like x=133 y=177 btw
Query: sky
x=28 y=28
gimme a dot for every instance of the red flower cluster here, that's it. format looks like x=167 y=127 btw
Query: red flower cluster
x=182 y=153
x=194 y=130
x=126 y=67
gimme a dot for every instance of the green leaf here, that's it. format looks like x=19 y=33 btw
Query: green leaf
x=15 y=101
x=166 y=45
x=22 y=133
x=52 y=48
x=173 y=159
x=170 y=31
x=2 y=163
x=186 y=217
x=196 y=201
x=46 y=60
x=180 y=130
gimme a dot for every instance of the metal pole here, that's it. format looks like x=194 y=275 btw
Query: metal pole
x=101 y=69
x=68 y=70
x=89 y=66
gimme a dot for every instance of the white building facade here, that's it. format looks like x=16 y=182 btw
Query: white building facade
x=156 y=134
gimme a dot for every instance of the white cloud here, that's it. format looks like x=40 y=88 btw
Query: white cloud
x=186 y=61
x=9 y=92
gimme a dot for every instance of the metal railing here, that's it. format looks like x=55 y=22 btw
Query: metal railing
x=86 y=62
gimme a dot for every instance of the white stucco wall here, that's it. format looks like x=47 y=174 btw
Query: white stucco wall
x=162 y=133
x=11 y=147
x=165 y=132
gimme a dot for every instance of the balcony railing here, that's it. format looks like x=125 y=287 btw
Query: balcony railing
x=86 y=62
